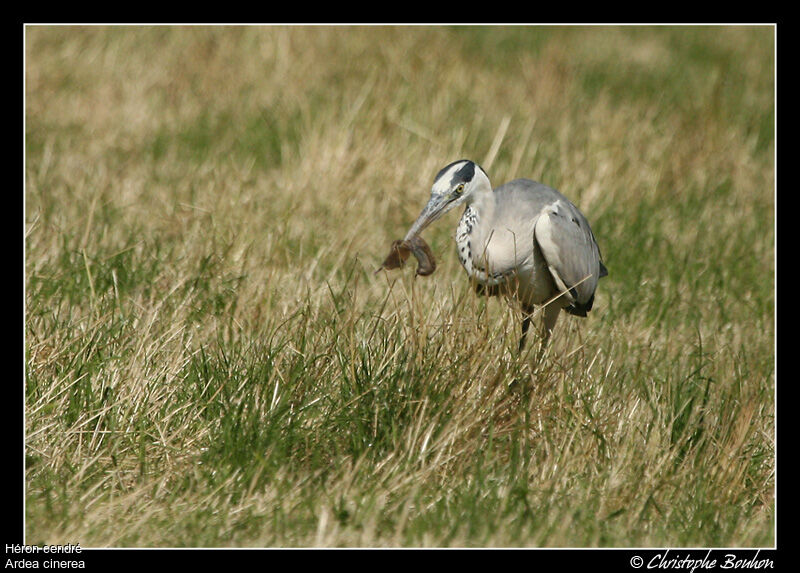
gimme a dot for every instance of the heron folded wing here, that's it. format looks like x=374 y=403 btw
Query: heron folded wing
x=572 y=256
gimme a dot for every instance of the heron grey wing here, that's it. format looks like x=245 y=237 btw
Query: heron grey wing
x=571 y=253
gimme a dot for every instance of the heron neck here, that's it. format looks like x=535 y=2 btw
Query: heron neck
x=482 y=202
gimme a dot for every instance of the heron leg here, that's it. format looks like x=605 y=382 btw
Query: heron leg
x=526 y=323
x=551 y=312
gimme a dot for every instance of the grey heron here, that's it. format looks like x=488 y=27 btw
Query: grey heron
x=523 y=240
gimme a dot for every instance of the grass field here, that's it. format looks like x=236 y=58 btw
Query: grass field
x=210 y=360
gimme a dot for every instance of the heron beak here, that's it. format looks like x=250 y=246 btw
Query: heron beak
x=436 y=207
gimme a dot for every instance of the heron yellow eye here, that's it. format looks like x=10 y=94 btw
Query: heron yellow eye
x=460 y=189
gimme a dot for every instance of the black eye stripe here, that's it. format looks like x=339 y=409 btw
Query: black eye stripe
x=464 y=174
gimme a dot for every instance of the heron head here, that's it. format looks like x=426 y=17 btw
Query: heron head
x=454 y=185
